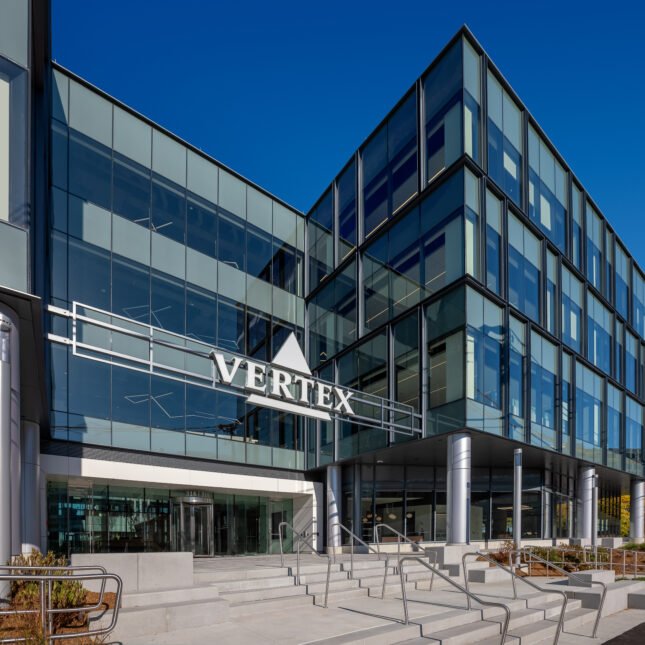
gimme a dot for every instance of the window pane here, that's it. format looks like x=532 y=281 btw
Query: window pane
x=168 y=209
x=131 y=191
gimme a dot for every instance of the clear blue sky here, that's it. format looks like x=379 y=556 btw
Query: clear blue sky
x=284 y=92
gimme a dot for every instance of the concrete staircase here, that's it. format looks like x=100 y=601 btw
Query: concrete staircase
x=250 y=600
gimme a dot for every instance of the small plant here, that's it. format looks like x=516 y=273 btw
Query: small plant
x=633 y=546
x=508 y=546
x=65 y=594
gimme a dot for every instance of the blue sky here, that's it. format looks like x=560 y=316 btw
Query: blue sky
x=284 y=92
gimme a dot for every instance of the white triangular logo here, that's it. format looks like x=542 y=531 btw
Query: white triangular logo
x=290 y=356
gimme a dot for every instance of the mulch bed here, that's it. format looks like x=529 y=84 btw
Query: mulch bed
x=15 y=626
x=540 y=570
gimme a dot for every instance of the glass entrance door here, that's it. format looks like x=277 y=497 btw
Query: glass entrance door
x=280 y=511
x=192 y=526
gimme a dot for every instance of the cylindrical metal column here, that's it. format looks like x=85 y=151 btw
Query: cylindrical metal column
x=30 y=473
x=5 y=445
x=637 y=510
x=517 y=496
x=547 y=509
x=586 y=476
x=334 y=505
x=594 y=512
x=356 y=511
x=458 y=489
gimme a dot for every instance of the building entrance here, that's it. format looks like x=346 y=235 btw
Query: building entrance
x=192 y=526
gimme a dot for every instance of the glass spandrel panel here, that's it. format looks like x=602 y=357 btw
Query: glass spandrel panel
x=346 y=187
x=90 y=170
x=201 y=233
x=168 y=209
x=131 y=191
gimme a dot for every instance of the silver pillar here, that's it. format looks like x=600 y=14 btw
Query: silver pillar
x=356 y=511
x=637 y=510
x=334 y=505
x=594 y=512
x=517 y=496
x=458 y=485
x=6 y=328
x=586 y=476
x=547 y=509
x=30 y=479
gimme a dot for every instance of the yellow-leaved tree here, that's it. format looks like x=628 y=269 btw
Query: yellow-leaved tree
x=624 y=515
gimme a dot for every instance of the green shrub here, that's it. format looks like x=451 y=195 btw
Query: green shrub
x=65 y=594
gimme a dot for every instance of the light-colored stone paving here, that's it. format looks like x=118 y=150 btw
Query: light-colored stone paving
x=610 y=627
x=306 y=623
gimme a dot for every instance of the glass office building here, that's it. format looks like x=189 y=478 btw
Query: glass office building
x=455 y=269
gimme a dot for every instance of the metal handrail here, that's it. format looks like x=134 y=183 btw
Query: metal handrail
x=400 y=536
x=299 y=538
x=514 y=575
x=369 y=548
x=469 y=594
x=13 y=567
x=525 y=552
x=302 y=533
x=46 y=610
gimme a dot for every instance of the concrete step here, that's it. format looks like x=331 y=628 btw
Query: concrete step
x=616 y=600
x=168 y=596
x=536 y=632
x=336 y=597
x=205 y=576
x=636 y=600
x=490 y=574
x=447 y=619
x=254 y=583
x=155 y=619
x=463 y=634
x=255 y=607
x=580 y=618
x=336 y=585
x=364 y=564
x=381 y=635
x=313 y=568
x=250 y=595
x=334 y=576
x=391 y=590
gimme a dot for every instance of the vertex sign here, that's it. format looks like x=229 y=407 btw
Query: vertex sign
x=286 y=384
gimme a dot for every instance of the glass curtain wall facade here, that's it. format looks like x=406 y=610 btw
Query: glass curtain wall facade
x=146 y=229
x=455 y=265
x=533 y=310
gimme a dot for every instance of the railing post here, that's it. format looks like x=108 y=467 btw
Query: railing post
x=351 y=559
x=50 y=617
x=403 y=595
x=43 y=611
x=298 y=563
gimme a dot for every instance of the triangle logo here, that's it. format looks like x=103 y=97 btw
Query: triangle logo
x=290 y=356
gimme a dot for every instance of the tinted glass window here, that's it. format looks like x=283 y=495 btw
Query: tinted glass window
x=168 y=209
x=131 y=191
x=202 y=226
x=90 y=169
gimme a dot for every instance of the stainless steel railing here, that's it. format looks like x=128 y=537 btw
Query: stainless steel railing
x=399 y=538
x=600 y=557
x=355 y=537
x=299 y=539
x=46 y=580
x=514 y=575
x=469 y=594
x=524 y=553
